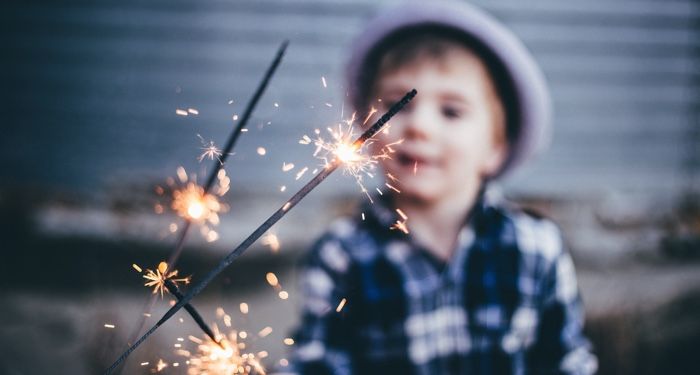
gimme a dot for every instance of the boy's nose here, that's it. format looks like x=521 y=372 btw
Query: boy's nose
x=419 y=123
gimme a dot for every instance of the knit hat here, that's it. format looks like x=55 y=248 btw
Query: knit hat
x=517 y=73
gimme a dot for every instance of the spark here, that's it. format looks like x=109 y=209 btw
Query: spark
x=265 y=331
x=392 y=187
x=283 y=188
x=392 y=177
x=341 y=305
x=210 y=151
x=353 y=157
x=193 y=111
x=136 y=267
x=234 y=117
x=402 y=214
x=227 y=358
x=301 y=172
x=323 y=81
x=286 y=167
x=107 y=325
x=161 y=365
x=261 y=151
x=276 y=105
x=156 y=279
x=244 y=308
x=271 y=279
x=272 y=241
x=400 y=225
x=181 y=112
x=372 y=111
x=192 y=203
x=415 y=168
x=305 y=140
x=288 y=341
x=283 y=294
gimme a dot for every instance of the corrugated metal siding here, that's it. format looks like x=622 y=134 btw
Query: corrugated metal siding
x=90 y=88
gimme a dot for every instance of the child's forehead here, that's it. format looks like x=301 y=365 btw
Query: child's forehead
x=448 y=70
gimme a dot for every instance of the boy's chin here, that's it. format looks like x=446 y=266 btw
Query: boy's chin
x=420 y=193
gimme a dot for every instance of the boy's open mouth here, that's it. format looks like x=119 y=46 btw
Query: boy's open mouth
x=408 y=160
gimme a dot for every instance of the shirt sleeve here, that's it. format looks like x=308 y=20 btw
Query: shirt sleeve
x=323 y=340
x=561 y=347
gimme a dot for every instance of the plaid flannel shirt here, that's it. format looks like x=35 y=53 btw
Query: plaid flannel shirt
x=507 y=301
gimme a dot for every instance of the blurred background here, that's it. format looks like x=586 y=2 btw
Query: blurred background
x=90 y=129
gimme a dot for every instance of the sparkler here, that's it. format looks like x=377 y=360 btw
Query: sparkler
x=157 y=279
x=175 y=291
x=225 y=357
x=355 y=162
x=162 y=279
x=265 y=226
x=231 y=142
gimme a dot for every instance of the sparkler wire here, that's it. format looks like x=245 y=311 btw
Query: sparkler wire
x=231 y=142
x=264 y=227
x=175 y=291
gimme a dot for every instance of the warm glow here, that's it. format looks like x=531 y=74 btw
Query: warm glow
x=347 y=153
x=195 y=209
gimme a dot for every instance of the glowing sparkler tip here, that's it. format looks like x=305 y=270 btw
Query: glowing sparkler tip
x=347 y=153
x=195 y=210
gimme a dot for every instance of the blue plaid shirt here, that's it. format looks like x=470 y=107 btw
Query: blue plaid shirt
x=506 y=303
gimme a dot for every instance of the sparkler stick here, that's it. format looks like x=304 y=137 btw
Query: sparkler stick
x=174 y=290
x=264 y=227
x=231 y=142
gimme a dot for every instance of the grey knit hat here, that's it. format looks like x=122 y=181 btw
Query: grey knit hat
x=529 y=111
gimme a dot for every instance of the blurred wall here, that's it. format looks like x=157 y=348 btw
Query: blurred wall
x=90 y=89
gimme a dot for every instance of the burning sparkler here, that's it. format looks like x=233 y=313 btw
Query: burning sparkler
x=265 y=226
x=157 y=279
x=162 y=280
x=193 y=203
x=224 y=356
x=210 y=151
x=340 y=147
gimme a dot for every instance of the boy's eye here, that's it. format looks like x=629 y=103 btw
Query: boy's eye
x=451 y=112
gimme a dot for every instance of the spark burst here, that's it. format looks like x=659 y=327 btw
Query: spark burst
x=210 y=151
x=157 y=279
x=227 y=357
x=190 y=201
x=353 y=157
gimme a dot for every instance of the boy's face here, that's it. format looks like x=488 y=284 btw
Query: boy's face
x=452 y=131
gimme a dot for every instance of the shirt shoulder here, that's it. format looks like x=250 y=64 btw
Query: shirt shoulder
x=534 y=233
x=345 y=242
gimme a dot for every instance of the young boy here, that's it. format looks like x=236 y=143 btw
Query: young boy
x=471 y=286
